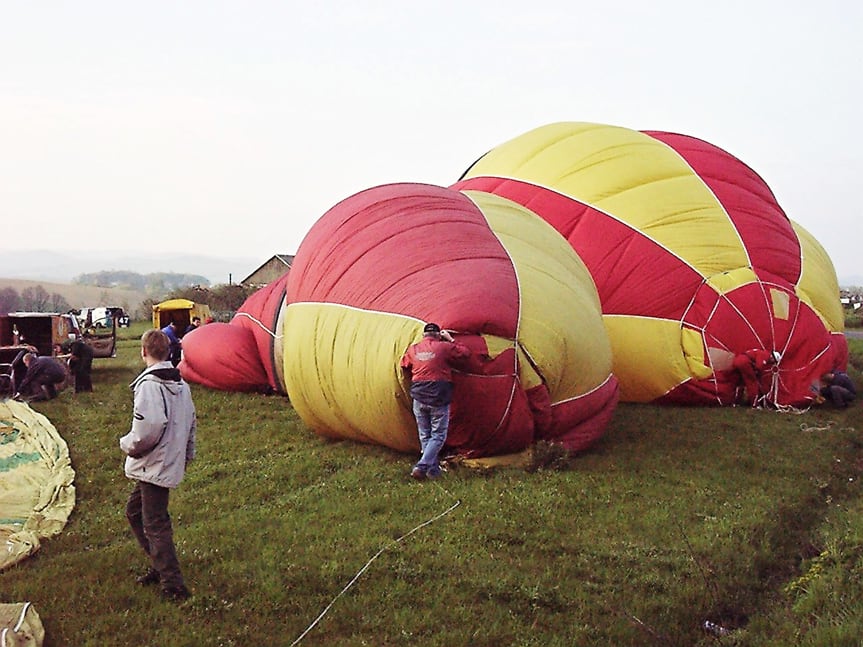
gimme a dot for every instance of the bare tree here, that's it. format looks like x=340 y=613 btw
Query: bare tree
x=35 y=299
x=10 y=300
x=58 y=303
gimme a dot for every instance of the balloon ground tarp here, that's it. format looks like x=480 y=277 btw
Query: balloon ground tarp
x=693 y=258
x=20 y=626
x=37 y=494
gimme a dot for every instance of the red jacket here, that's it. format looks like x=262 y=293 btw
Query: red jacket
x=431 y=360
x=760 y=358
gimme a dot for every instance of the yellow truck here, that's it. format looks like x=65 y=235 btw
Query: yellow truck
x=180 y=310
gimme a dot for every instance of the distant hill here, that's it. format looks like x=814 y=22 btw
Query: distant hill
x=62 y=267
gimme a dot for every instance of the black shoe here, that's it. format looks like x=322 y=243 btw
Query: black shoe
x=418 y=473
x=150 y=577
x=176 y=593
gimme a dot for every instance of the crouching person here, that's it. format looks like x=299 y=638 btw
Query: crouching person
x=159 y=446
x=838 y=389
x=44 y=376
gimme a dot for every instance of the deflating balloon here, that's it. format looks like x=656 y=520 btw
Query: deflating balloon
x=222 y=356
x=693 y=258
x=262 y=314
x=379 y=264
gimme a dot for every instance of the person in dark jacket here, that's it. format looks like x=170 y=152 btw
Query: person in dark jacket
x=158 y=447
x=196 y=323
x=81 y=365
x=175 y=352
x=43 y=376
x=838 y=388
x=428 y=364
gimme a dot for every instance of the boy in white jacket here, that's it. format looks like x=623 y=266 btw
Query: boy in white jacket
x=158 y=447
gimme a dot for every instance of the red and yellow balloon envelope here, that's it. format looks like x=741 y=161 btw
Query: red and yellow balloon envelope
x=379 y=264
x=692 y=256
x=245 y=355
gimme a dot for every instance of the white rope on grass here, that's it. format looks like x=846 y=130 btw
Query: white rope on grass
x=787 y=408
x=805 y=427
x=368 y=563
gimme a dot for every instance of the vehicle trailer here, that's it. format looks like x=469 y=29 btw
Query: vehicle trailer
x=52 y=333
x=48 y=334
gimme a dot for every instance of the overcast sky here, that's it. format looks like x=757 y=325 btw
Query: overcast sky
x=229 y=128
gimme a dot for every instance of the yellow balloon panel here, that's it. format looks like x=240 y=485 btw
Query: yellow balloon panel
x=634 y=177
x=560 y=325
x=648 y=358
x=342 y=372
x=725 y=282
x=693 y=350
x=818 y=285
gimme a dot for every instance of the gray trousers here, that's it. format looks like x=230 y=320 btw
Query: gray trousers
x=147 y=513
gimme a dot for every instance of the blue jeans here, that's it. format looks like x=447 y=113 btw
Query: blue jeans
x=432 y=425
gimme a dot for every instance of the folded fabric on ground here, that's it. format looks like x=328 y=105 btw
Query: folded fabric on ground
x=20 y=626
x=36 y=481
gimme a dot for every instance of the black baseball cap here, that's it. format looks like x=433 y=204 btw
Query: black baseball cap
x=431 y=328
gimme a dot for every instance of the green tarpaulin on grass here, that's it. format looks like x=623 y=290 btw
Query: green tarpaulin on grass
x=36 y=475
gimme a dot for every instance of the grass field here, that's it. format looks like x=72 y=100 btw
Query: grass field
x=749 y=519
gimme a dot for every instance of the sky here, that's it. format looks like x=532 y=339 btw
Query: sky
x=228 y=128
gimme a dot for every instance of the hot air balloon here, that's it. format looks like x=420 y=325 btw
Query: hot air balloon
x=693 y=258
x=381 y=263
x=244 y=355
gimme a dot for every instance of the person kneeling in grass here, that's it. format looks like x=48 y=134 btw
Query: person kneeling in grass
x=838 y=388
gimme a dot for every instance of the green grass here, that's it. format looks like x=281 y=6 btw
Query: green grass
x=751 y=519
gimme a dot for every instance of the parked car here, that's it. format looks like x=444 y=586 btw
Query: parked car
x=103 y=317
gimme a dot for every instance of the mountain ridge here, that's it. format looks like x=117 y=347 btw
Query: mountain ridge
x=63 y=267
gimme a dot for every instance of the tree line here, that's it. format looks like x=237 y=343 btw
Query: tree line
x=153 y=283
x=32 y=299
x=223 y=300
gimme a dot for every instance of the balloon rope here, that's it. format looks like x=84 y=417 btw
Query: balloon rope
x=787 y=408
x=21 y=619
x=16 y=628
x=368 y=563
x=805 y=427
x=246 y=314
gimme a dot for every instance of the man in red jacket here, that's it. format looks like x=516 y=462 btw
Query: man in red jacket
x=428 y=364
x=751 y=365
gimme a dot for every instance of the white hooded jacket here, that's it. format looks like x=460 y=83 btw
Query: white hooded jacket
x=162 y=439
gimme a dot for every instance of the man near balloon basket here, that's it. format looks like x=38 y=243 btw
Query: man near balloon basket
x=752 y=366
x=428 y=365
